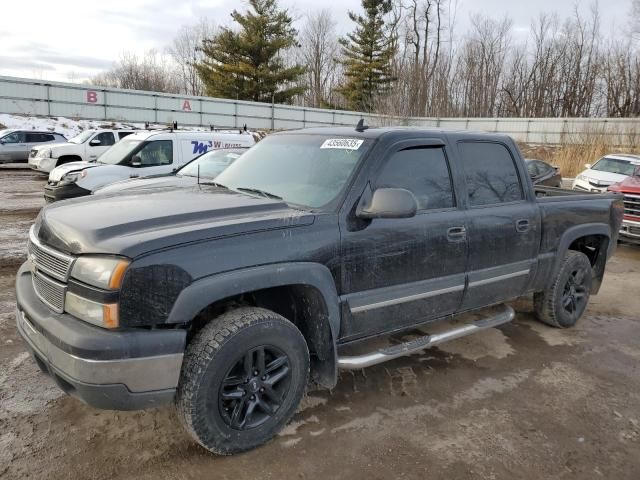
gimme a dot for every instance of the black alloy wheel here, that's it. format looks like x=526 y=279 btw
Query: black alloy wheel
x=255 y=387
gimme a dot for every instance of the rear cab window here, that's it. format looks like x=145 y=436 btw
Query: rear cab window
x=491 y=174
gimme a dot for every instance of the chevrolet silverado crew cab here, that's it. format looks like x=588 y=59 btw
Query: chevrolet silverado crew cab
x=226 y=298
x=85 y=147
x=143 y=154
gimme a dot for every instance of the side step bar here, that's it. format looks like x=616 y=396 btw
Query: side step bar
x=422 y=343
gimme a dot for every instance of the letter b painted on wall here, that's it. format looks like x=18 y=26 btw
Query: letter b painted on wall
x=92 y=96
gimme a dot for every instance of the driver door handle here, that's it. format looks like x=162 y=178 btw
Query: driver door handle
x=457 y=234
x=133 y=176
x=523 y=225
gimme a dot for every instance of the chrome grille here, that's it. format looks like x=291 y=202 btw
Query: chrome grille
x=49 y=291
x=632 y=205
x=54 y=263
x=634 y=230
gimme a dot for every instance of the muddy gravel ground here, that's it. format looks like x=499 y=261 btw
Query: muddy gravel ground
x=521 y=401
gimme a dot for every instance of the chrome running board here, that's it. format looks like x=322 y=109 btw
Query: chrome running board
x=428 y=341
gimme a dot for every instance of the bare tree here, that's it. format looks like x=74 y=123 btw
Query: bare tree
x=150 y=71
x=635 y=18
x=318 y=53
x=186 y=52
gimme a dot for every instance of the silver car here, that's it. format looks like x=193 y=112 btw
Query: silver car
x=15 y=145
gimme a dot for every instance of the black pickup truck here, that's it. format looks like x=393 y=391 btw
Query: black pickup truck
x=228 y=297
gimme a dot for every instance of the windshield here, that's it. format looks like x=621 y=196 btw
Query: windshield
x=615 y=165
x=83 y=137
x=119 y=151
x=306 y=170
x=210 y=165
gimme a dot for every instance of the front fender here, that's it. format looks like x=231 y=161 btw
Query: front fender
x=208 y=290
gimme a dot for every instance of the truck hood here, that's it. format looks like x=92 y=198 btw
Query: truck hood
x=133 y=224
x=58 y=172
x=628 y=185
x=603 y=178
x=160 y=182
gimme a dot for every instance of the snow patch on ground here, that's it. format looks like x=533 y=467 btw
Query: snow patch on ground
x=66 y=126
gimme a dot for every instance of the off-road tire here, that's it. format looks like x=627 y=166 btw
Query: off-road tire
x=209 y=360
x=549 y=303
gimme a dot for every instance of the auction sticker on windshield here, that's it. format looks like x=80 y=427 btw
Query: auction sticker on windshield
x=342 y=143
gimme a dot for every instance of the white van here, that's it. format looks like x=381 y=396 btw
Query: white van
x=87 y=146
x=155 y=152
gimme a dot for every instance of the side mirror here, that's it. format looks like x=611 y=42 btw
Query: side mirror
x=135 y=161
x=587 y=165
x=95 y=142
x=388 y=203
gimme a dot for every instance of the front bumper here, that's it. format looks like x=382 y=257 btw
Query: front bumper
x=630 y=231
x=55 y=193
x=118 y=370
x=42 y=164
x=585 y=186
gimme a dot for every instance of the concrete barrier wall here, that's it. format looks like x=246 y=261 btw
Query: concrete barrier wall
x=34 y=97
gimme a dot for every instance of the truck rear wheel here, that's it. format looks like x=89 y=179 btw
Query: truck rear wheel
x=562 y=304
x=242 y=379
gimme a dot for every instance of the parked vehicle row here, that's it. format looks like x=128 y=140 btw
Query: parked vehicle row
x=227 y=299
x=201 y=170
x=15 y=145
x=145 y=153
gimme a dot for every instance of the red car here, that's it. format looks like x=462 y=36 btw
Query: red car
x=630 y=187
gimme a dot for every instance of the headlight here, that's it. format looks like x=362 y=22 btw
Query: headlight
x=100 y=271
x=45 y=152
x=102 y=315
x=72 y=177
x=583 y=178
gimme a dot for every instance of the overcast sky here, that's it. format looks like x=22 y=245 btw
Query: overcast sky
x=74 y=39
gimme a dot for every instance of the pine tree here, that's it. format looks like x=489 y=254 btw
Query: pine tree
x=247 y=64
x=367 y=54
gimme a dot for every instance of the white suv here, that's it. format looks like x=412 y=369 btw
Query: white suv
x=87 y=146
x=16 y=144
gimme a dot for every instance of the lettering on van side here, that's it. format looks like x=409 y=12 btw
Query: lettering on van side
x=203 y=147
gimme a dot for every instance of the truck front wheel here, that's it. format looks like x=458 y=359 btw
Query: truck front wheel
x=564 y=301
x=242 y=379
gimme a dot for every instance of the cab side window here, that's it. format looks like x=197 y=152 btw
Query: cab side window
x=39 y=137
x=105 y=138
x=15 y=137
x=424 y=171
x=491 y=174
x=121 y=135
x=159 y=152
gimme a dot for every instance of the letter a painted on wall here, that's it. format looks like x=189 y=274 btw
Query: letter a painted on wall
x=186 y=106
x=92 y=96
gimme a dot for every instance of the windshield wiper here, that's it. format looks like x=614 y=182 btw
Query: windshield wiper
x=259 y=192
